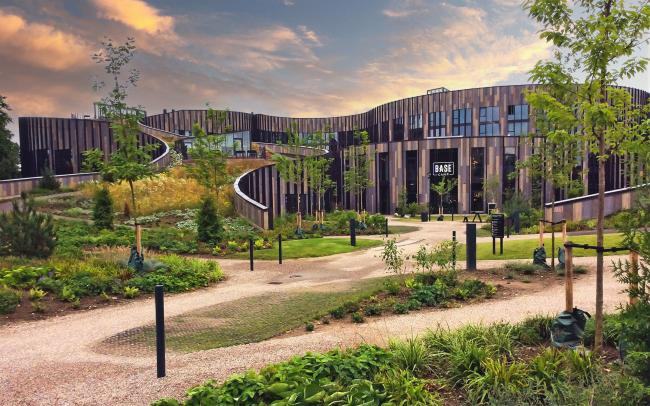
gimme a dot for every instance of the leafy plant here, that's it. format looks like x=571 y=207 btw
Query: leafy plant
x=24 y=232
x=36 y=294
x=357 y=317
x=131 y=292
x=9 y=300
x=309 y=327
x=393 y=257
x=411 y=355
x=103 y=209
x=38 y=307
x=497 y=378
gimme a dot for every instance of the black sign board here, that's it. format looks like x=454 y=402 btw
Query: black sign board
x=442 y=169
x=498 y=225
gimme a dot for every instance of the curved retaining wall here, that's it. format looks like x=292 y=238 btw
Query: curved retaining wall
x=11 y=188
x=585 y=207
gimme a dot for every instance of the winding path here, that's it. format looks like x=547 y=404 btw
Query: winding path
x=54 y=362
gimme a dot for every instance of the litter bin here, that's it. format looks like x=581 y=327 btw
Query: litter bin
x=424 y=216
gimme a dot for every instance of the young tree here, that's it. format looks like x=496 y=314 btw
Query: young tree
x=209 y=161
x=356 y=178
x=24 y=232
x=48 y=181
x=130 y=162
x=209 y=225
x=9 y=156
x=292 y=169
x=103 y=209
x=491 y=187
x=442 y=188
x=317 y=167
x=596 y=41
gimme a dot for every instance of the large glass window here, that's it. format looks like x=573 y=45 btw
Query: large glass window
x=415 y=126
x=398 y=129
x=437 y=124
x=489 y=121
x=518 y=119
x=462 y=122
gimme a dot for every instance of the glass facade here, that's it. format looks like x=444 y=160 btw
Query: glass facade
x=489 y=121
x=398 y=129
x=415 y=127
x=462 y=122
x=437 y=124
x=518 y=119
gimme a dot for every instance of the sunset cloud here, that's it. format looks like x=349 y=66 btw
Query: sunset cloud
x=405 y=8
x=137 y=14
x=40 y=45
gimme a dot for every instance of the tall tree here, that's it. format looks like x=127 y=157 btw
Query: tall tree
x=9 y=156
x=596 y=41
x=291 y=166
x=130 y=162
x=356 y=178
x=209 y=161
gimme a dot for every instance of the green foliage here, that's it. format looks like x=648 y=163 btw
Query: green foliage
x=441 y=255
x=442 y=189
x=24 y=232
x=48 y=181
x=356 y=178
x=357 y=318
x=318 y=166
x=103 y=209
x=402 y=201
x=22 y=277
x=209 y=224
x=393 y=257
x=36 y=294
x=534 y=330
x=309 y=327
x=9 y=299
x=411 y=355
x=178 y=275
x=9 y=151
x=498 y=378
x=131 y=292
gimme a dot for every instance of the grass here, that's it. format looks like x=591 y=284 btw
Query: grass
x=251 y=319
x=402 y=229
x=523 y=249
x=311 y=248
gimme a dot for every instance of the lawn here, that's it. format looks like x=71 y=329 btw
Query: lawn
x=518 y=249
x=310 y=248
x=250 y=319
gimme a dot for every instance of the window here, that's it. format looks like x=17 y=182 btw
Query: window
x=398 y=129
x=489 y=121
x=415 y=127
x=518 y=120
x=462 y=122
x=437 y=124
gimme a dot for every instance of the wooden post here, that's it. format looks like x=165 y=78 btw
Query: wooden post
x=564 y=233
x=541 y=233
x=634 y=264
x=568 y=279
x=138 y=239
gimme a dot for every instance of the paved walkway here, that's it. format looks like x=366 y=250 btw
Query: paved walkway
x=53 y=361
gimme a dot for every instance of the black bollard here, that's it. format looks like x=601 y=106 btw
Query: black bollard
x=160 y=331
x=353 y=232
x=471 y=246
x=453 y=255
x=280 y=249
x=250 y=252
x=386 y=227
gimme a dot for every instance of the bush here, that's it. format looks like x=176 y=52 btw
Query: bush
x=523 y=267
x=9 y=300
x=309 y=327
x=372 y=310
x=338 y=313
x=400 y=308
x=357 y=317
x=411 y=355
x=22 y=277
x=48 y=181
x=179 y=275
x=24 y=232
x=103 y=209
x=131 y=292
x=209 y=225
x=36 y=294
x=498 y=379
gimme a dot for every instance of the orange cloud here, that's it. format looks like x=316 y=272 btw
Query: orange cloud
x=135 y=14
x=40 y=45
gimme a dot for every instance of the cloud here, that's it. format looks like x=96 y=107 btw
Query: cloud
x=310 y=35
x=288 y=2
x=136 y=14
x=405 y=8
x=41 y=45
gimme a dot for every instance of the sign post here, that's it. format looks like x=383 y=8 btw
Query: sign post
x=470 y=246
x=498 y=231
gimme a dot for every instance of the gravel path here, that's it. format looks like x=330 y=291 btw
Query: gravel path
x=52 y=362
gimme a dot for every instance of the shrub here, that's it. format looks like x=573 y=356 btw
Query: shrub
x=522 y=267
x=131 y=292
x=24 y=232
x=39 y=307
x=36 y=294
x=338 y=313
x=103 y=209
x=68 y=295
x=498 y=379
x=48 y=181
x=179 y=275
x=209 y=225
x=309 y=327
x=405 y=389
x=357 y=317
x=372 y=310
x=22 y=277
x=534 y=330
x=392 y=286
x=400 y=308
x=9 y=300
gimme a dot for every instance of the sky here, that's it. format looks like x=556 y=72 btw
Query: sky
x=300 y=58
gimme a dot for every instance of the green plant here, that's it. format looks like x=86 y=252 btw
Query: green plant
x=338 y=313
x=400 y=308
x=9 y=300
x=309 y=327
x=24 y=232
x=411 y=355
x=582 y=365
x=76 y=303
x=404 y=389
x=209 y=224
x=131 y=292
x=48 y=181
x=103 y=209
x=534 y=330
x=392 y=286
x=357 y=318
x=498 y=378
x=67 y=294
x=372 y=310
x=442 y=189
x=9 y=150
x=178 y=274
x=36 y=294
x=39 y=307
x=523 y=268
x=393 y=257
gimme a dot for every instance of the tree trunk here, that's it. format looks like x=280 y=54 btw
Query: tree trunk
x=598 y=334
x=138 y=240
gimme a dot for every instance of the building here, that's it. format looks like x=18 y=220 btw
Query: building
x=471 y=134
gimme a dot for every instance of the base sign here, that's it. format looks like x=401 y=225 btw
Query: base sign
x=442 y=169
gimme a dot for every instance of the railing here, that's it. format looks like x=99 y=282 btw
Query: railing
x=162 y=135
x=585 y=207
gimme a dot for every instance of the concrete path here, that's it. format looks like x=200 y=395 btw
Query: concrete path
x=53 y=361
